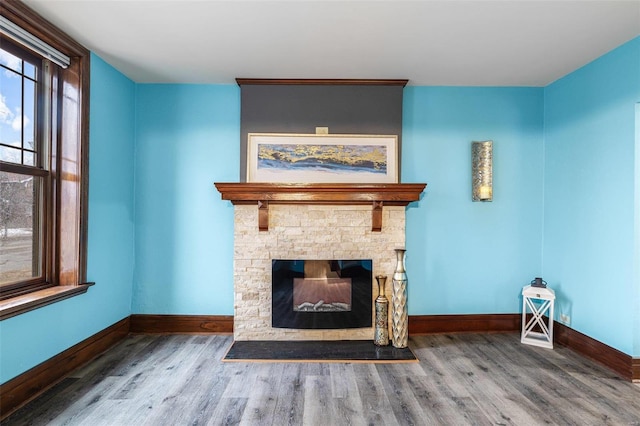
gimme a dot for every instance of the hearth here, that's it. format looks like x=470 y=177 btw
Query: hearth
x=321 y=294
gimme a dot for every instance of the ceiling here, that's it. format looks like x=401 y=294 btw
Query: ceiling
x=429 y=42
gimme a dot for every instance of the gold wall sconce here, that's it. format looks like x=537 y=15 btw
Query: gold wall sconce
x=482 y=170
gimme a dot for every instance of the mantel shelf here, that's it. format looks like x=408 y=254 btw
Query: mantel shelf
x=377 y=195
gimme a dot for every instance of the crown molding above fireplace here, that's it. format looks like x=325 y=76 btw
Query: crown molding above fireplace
x=377 y=195
x=321 y=81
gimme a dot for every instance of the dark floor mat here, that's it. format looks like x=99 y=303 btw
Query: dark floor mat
x=317 y=351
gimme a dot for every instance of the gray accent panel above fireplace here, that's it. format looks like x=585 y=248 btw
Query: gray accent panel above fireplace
x=296 y=108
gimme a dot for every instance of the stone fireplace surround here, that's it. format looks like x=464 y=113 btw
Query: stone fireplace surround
x=309 y=221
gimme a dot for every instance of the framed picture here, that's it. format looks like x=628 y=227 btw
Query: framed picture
x=315 y=158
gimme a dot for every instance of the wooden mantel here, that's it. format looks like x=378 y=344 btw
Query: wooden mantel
x=376 y=195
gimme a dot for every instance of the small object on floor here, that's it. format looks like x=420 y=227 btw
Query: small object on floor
x=537 y=316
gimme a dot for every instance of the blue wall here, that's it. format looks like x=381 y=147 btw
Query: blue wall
x=590 y=210
x=187 y=139
x=56 y=327
x=467 y=257
x=184 y=232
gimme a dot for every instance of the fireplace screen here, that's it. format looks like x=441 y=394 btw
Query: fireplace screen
x=323 y=294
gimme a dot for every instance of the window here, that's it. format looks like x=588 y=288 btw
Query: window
x=43 y=177
x=25 y=172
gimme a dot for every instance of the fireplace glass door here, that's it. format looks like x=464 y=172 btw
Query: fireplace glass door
x=321 y=294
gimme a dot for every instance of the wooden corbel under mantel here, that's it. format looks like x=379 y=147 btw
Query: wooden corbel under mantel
x=376 y=195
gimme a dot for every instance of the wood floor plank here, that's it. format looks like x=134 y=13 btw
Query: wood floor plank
x=262 y=399
x=87 y=386
x=241 y=382
x=321 y=407
x=195 y=384
x=114 y=361
x=445 y=382
x=50 y=407
x=109 y=412
x=289 y=408
x=201 y=393
x=486 y=386
x=479 y=379
x=404 y=404
x=344 y=390
x=375 y=403
x=164 y=386
x=228 y=412
x=87 y=406
x=524 y=372
x=436 y=408
x=318 y=404
x=577 y=401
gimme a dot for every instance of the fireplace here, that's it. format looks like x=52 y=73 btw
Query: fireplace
x=318 y=221
x=307 y=232
x=321 y=294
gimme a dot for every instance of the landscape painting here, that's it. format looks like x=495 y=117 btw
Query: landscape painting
x=325 y=158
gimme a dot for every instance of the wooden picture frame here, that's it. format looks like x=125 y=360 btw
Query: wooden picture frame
x=322 y=158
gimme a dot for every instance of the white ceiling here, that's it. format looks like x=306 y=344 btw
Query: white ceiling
x=429 y=42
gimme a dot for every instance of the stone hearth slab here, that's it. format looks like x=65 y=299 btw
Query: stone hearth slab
x=317 y=351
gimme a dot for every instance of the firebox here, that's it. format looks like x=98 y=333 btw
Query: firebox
x=321 y=294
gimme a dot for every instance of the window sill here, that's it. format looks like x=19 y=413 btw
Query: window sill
x=37 y=299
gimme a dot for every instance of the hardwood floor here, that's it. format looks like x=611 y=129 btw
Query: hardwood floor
x=478 y=379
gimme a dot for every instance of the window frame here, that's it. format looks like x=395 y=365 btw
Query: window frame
x=67 y=188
